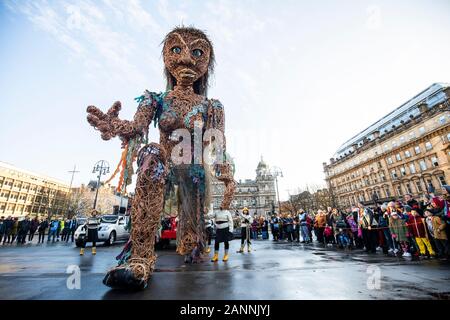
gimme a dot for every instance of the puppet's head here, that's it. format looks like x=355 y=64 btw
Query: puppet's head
x=188 y=59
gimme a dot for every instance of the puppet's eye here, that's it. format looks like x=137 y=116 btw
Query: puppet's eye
x=197 y=52
x=176 y=50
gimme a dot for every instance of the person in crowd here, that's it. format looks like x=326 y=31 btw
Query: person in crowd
x=416 y=226
x=265 y=229
x=341 y=232
x=224 y=231
x=60 y=228
x=413 y=203
x=439 y=234
x=254 y=229
x=43 y=225
x=9 y=222
x=14 y=229
x=91 y=228
x=383 y=223
x=2 y=228
x=310 y=224
x=275 y=227
x=246 y=222
x=65 y=230
x=303 y=224
x=319 y=225
x=53 y=230
x=23 y=229
x=34 y=224
x=71 y=228
x=367 y=222
x=209 y=233
x=281 y=233
x=353 y=230
x=296 y=225
x=397 y=227
x=288 y=222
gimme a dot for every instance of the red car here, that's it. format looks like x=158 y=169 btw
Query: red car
x=168 y=232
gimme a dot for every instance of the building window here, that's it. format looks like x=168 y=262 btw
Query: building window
x=386 y=147
x=434 y=162
x=387 y=192
x=403 y=171
x=442 y=180
x=394 y=144
x=412 y=135
x=394 y=174
x=448 y=137
x=398 y=157
x=419 y=186
x=382 y=176
x=442 y=120
x=402 y=139
x=423 y=165
x=399 y=190
x=428 y=145
x=408 y=188
x=417 y=149
x=407 y=154
x=422 y=130
x=412 y=168
x=389 y=160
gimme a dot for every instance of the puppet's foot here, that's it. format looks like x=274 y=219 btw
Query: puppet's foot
x=133 y=276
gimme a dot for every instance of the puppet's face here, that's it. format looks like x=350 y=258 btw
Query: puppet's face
x=186 y=57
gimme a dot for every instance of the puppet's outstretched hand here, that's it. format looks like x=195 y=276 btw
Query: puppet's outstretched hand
x=107 y=123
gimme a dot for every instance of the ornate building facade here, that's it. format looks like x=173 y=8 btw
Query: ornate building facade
x=258 y=195
x=405 y=152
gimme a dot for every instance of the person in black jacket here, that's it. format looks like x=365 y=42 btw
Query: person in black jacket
x=34 y=224
x=41 y=230
x=71 y=227
x=24 y=228
x=2 y=227
x=8 y=229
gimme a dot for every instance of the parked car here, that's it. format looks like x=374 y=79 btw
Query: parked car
x=168 y=232
x=111 y=229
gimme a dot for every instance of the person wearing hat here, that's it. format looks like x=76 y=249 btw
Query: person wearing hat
x=246 y=223
x=397 y=227
x=91 y=228
x=383 y=224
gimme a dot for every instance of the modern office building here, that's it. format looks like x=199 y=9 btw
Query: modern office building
x=25 y=193
x=407 y=151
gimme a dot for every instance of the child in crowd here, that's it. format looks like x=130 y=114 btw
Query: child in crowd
x=417 y=227
x=398 y=230
x=437 y=225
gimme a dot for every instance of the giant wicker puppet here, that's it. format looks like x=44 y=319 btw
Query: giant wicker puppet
x=189 y=61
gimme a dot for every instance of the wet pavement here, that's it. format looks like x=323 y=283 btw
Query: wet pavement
x=273 y=270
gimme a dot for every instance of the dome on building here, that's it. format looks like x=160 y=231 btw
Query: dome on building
x=262 y=165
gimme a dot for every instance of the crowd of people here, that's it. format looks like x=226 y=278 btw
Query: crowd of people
x=407 y=227
x=22 y=231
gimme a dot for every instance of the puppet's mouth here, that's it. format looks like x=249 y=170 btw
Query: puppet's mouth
x=188 y=73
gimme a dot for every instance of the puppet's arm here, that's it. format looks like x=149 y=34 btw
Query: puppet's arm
x=111 y=126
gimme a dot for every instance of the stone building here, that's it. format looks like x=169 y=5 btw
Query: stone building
x=25 y=193
x=407 y=151
x=258 y=195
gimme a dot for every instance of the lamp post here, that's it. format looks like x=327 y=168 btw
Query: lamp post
x=102 y=167
x=276 y=172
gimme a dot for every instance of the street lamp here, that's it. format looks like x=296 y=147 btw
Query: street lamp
x=276 y=171
x=102 y=167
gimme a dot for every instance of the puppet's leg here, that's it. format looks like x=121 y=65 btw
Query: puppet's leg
x=191 y=227
x=135 y=269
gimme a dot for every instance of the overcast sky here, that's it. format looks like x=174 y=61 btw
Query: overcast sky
x=297 y=78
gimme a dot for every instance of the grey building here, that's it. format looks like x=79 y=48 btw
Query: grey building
x=258 y=195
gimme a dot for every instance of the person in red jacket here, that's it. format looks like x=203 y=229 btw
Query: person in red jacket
x=417 y=228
